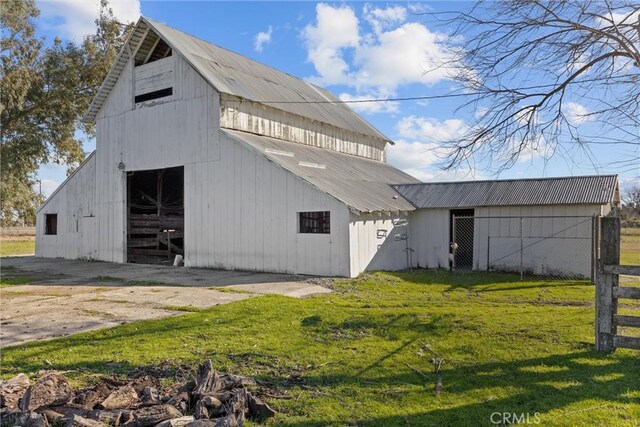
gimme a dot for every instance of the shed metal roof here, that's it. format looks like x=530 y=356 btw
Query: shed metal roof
x=362 y=184
x=580 y=190
x=234 y=74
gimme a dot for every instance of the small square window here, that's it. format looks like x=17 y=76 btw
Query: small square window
x=314 y=222
x=51 y=224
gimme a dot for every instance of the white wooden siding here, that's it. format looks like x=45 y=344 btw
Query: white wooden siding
x=240 y=209
x=74 y=203
x=240 y=114
x=429 y=237
x=370 y=250
x=154 y=76
x=242 y=213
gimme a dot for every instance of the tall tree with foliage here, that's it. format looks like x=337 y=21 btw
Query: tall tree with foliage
x=44 y=91
x=529 y=65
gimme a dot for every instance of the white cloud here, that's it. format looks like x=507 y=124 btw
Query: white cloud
x=336 y=29
x=381 y=60
x=74 y=19
x=421 y=161
x=577 y=113
x=262 y=38
x=430 y=129
x=381 y=19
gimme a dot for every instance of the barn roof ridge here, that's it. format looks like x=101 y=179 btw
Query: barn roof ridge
x=252 y=80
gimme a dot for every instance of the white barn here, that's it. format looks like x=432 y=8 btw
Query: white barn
x=234 y=165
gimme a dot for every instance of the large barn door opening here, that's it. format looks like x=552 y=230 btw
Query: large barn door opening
x=461 y=230
x=155 y=215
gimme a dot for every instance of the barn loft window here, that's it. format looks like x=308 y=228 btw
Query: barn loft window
x=51 y=224
x=314 y=222
x=156 y=94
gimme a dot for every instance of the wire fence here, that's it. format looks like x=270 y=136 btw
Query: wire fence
x=557 y=247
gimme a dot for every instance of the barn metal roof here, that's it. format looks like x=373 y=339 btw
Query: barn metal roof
x=234 y=74
x=362 y=184
x=580 y=190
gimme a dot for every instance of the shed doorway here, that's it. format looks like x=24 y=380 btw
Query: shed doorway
x=155 y=215
x=461 y=230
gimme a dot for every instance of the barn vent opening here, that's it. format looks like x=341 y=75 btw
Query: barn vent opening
x=155 y=215
x=51 y=224
x=461 y=230
x=156 y=94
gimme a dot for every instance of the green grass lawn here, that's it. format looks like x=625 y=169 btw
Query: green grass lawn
x=20 y=247
x=630 y=246
x=351 y=358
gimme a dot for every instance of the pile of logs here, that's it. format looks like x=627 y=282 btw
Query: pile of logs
x=210 y=399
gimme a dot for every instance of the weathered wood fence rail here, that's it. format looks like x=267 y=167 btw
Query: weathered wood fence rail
x=608 y=291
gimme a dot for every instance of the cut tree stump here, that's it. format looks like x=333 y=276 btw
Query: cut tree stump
x=150 y=397
x=121 y=398
x=207 y=379
x=259 y=409
x=152 y=415
x=89 y=398
x=75 y=420
x=12 y=390
x=51 y=390
x=176 y=422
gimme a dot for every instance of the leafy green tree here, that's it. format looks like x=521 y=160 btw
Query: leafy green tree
x=44 y=91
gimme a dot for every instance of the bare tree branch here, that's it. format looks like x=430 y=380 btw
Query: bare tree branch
x=530 y=65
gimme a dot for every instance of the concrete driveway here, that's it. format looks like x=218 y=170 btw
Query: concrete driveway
x=64 y=297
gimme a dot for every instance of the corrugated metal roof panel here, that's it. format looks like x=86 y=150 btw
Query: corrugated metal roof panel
x=598 y=190
x=362 y=184
x=237 y=75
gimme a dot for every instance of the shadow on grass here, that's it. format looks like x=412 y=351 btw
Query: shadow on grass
x=540 y=385
x=482 y=281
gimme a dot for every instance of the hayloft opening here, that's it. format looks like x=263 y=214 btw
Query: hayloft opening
x=155 y=215
x=152 y=48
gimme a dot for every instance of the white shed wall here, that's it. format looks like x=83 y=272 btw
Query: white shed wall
x=74 y=203
x=430 y=237
x=372 y=244
x=241 y=213
x=558 y=244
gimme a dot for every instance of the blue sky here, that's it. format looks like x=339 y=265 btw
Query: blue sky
x=358 y=50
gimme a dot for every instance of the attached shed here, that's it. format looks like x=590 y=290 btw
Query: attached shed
x=544 y=223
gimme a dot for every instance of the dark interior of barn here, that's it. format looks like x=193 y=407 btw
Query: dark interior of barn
x=155 y=215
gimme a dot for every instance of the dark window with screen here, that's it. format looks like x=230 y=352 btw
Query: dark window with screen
x=51 y=224
x=314 y=222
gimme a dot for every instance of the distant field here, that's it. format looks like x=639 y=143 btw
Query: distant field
x=630 y=246
x=17 y=247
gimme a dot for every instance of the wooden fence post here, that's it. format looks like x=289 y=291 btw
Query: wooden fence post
x=606 y=304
